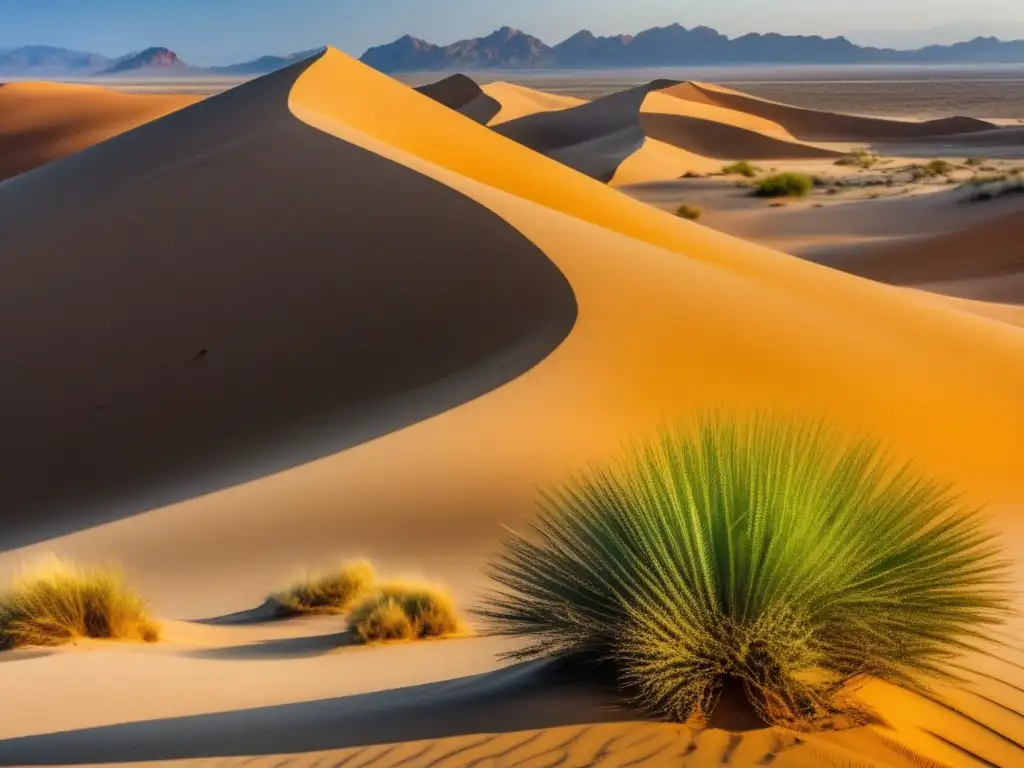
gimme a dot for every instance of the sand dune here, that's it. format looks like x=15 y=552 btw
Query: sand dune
x=40 y=122
x=628 y=137
x=372 y=326
x=983 y=262
x=462 y=94
x=518 y=101
x=813 y=125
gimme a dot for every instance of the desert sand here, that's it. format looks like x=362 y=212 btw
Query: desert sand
x=44 y=121
x=323 y=314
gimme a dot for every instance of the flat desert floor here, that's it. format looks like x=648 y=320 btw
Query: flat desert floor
x=322 y=314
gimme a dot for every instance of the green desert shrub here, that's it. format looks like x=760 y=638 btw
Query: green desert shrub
x=785 y=185
x=974 y=161
x=334 y=591
x=405 y=611
x=766 y=551
x=690 y=212
x=742 y=168
x=59 y=603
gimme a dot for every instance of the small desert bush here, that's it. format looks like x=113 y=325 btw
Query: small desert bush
x=974 y=161
x=768 y=551
x=939 y=168
x=860 y=159
x=334 y=591
x=690 y=212
x=742 y=168
x=785 y=185
x=400 y=611
x=59 y=603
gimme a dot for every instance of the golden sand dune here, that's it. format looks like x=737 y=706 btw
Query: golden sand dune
x=40 y=122
x=814 y=125
x=393 y=324
x=629 y=137
x=518 y=101
x=462 y=94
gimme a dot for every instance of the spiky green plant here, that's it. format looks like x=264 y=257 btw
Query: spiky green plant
x=769 y=551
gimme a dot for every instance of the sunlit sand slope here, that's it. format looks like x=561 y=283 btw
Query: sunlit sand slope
x=370 y=235
x=462 y=94
x=40 y=122
x=518 y=101
x=814 y=125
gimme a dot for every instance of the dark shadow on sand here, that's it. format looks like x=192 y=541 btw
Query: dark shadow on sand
x=522 y=697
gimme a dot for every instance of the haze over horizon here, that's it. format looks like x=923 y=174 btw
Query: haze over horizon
x=216 y=32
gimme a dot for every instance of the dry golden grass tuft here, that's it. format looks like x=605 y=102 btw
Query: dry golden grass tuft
x=406 y=611
x=334 y=591
x=58 y=602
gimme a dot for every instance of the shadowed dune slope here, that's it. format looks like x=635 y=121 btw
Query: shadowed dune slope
x=228 y=292
x=519 y=101
x=725 y=142
x=462 y=94
x=984 y=261
x=40 y=122
x=814 y=125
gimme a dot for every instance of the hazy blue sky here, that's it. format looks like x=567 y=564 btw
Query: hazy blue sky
x=223 y=31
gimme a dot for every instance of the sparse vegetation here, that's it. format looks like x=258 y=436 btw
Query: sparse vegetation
x=939 y=168
x=60 y=603
x=785 y=185
x=400 y=611
x=768 y=551
x=690 y=212
x=335 y=591
x=974 y=161
x=861 y=159
x=742 y=168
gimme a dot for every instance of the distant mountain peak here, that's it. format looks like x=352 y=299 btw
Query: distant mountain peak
x=157 y=58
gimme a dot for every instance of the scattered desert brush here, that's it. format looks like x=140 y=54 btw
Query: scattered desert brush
x=405 y=611
x=690 y=212
x=768 y=551
x=742 y=168
x=335 y=591
x=785 y=185
x=59 y=603
x=861 y=159
x=974 y=161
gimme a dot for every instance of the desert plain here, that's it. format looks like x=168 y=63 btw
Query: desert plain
x=323 y=314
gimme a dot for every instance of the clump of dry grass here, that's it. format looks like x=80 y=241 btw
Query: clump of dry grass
x=742 y=168
x=334 y=591
x=59 y=603
x=405 y=611
x=688 y=212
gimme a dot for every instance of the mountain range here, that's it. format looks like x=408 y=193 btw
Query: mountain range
x=47 y=61
x=673 y=45
x=509 y=48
